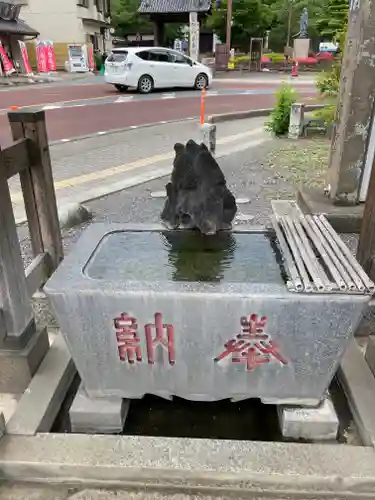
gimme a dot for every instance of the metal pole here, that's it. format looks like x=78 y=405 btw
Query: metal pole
x=229 y=25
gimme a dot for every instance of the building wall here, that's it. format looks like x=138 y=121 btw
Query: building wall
x=60 y=21
x=55 y=19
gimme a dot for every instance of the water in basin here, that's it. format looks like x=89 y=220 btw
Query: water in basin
x=187 y=256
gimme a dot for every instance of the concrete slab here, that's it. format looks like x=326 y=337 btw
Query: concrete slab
x=18 y=367
x=39 y=405
x=358 y=383
x=181 y=464
x=313 y=424
x=344 y=219
x=97 y=416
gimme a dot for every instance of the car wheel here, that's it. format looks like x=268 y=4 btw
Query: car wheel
x=145 y=84
x=121 y=88
x=201 y=82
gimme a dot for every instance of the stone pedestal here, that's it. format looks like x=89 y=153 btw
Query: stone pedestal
x=296 y=121
x=301 y=48
x=17 y=367
x=97 y=416
x=208 y=136
x=313 y=424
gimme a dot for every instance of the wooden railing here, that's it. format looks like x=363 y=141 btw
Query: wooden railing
x=29 y=158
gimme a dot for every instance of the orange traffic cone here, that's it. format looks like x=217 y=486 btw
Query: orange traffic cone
x=295 y=68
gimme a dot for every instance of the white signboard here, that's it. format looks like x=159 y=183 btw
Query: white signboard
x=177 y=44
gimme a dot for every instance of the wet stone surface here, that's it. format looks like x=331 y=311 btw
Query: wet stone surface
x=187 y=256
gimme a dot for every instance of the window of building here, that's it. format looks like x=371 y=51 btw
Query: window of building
x=99 y=5
x=83 y=3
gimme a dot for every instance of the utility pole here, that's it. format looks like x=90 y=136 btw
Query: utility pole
x=229 y=25
x=289 y=24
x=355 y=104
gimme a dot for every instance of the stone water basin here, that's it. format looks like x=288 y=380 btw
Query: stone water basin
x=145 y=310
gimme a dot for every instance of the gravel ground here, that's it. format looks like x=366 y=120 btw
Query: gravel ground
x=305 y=164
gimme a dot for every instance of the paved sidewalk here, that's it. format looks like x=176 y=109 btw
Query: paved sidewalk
x=90 y=168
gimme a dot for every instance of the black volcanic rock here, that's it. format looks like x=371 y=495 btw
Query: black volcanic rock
x=197 y=194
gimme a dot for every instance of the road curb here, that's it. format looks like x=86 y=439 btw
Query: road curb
x=253 y=113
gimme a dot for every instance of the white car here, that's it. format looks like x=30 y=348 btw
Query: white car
x=148 y=68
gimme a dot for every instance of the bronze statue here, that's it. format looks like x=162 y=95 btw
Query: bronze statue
x=303 y=25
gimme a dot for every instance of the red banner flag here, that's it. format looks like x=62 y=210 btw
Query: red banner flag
x=91 y=58
x=7 y=63
x=25 y=58
x=41 y=57
x=51 y=57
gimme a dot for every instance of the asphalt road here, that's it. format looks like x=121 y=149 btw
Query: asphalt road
x=76 y=110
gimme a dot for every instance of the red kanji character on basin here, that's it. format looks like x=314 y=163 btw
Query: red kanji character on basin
x=251 y=357
x=271 y=349
x=253 y=346
x=167 y=341
x=127 y=339
x=253 y=327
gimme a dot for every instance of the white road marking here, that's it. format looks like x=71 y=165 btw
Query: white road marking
x=168 y=96
x=212 y=92
x=51 y=106
x=101 y=133
x=241 y=201
x=126 y=98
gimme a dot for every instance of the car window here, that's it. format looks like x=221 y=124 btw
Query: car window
x=159 y=56
x=118 y=56
x=178 y=58
x=145 y=55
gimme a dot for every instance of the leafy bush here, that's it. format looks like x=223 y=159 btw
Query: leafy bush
x=275 y=57
x=328 y=113
x=280 y=116
x=241 y=60
x=328 y=82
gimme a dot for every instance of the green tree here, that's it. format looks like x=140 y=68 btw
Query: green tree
x=251 y=18
x=289 y=11
x=125 y=17
x=333 y=19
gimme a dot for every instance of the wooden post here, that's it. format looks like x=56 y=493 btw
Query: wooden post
x=37 y=185
x=366 y=244
x=16 y=310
